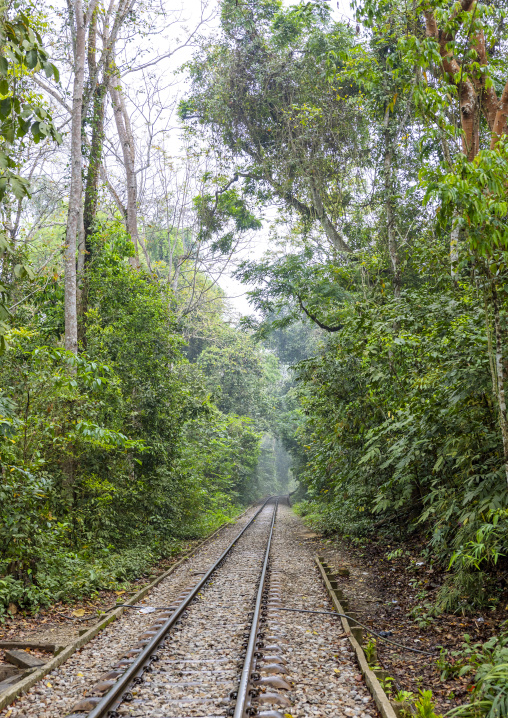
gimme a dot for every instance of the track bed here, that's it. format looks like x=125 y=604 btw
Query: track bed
x=229 y=651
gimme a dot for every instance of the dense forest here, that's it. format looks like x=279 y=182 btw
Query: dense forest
x=366 y=155
x=382 y=145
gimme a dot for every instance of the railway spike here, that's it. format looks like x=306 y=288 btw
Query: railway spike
x=272 y=668
x=274 y=682
x=274 y=699
x=85 y=705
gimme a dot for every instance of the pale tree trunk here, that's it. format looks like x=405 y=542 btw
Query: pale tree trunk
x=336 y=238
x=81 y=260
x=454 y=247
x=500 y=376
x=127 y=142
x=388 y=189
x=455 y=233
x=176 y=276
x=73 y=217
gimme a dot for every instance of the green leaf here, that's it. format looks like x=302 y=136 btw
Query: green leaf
x=19 y=187
x=31 y=59
x=8 y=132
x=5 y=108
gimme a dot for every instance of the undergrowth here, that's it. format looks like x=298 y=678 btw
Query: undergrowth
x=66 y=576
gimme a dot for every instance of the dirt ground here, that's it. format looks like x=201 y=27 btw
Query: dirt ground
x=383 y=591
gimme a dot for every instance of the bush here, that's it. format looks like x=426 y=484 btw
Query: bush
x=489 y=697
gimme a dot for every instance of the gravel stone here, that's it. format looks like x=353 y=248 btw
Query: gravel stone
x=201 y=661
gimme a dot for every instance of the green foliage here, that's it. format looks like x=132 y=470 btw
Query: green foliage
x=397 y=402
x=476 y=190
x=261 y=96
x=370 y=650
x=239 y=377
x=485 y=547
x=65 y=575
x=423 y=614
x=424 y=706
x=214 y=213
x=395 y=424
x=488 y=666
x=23 y=118
x=21 y=114
x=112 y=457
x=220 y=452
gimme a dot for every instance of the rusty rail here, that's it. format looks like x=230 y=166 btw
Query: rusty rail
x=243 y=699
x=119 y=692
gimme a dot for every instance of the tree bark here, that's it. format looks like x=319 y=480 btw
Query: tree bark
x=454 y=246
x=94 y=167
x=80 y=264
x=388 y=188
x=331 y=232
x=468 y=99
x=71 y=318
x=499 y=127
x=127 y=142
x=500 y=372
x=96 y=145
x=473 y=95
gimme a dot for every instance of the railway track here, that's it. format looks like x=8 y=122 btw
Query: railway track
x=217 y=644
x=191 y=656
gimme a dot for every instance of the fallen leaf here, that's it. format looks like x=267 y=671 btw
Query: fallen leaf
x=119 y=593
x=79 y=612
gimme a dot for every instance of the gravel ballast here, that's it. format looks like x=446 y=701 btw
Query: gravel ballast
x=203 y=656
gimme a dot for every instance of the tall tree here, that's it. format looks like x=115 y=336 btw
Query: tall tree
x=262 y=95
x=79 y=22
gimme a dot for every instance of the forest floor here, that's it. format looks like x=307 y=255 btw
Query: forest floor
x=384 y=592
x=61 y=623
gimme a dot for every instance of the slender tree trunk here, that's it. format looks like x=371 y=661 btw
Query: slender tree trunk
x=92 y=175
x=470 y=121
x=500 y=373
x=176 y=275
x=94 y=168
x=80 y=262
x=127 y=142
x=97 y=142
x=454 y=246
x=390 y=219
x=71 y=318
x=90 y=202
x=170 y=261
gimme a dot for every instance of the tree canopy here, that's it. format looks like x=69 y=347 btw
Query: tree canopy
x=353 y=176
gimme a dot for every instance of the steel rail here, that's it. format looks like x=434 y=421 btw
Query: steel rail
x=112 y=699
x=242 y=700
